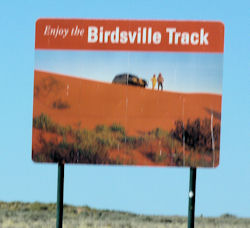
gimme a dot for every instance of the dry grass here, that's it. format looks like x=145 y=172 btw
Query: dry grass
x=38 y=215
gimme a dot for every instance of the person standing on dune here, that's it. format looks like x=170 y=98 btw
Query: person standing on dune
x=160 y=81
x=154 y=80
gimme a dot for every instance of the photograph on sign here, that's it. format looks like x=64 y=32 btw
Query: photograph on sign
x=133 y=105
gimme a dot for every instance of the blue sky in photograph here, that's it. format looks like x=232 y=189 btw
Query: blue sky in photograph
x=143 y=190
x=183 y=72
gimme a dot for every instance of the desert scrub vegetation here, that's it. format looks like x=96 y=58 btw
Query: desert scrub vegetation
x=197 y=134
x=60 y=104
x=117 y=128
x=200 y=139
x=43 y=122
x=77 y=145
x=93 y=146
x=157 y=146
x=40 y=215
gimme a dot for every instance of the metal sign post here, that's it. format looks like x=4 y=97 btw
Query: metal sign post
x=191 y=203
x=60 y=182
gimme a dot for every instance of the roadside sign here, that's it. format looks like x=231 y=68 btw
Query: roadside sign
x=128 y=92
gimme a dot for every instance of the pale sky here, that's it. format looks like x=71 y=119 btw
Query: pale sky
x=183 y=72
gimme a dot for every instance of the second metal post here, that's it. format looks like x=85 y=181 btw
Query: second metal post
x=60 y=183
x=191 y=203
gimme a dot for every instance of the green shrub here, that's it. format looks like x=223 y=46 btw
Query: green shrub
x=38 y=206
x=117 y=128
x=101 y=128
x=132 y=141
x=197 y=134
x=59 y=104
x=44 y=122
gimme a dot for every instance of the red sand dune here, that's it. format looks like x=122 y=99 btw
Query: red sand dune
x=90 y=103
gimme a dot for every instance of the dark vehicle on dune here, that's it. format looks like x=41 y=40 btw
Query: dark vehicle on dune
x=130 y=79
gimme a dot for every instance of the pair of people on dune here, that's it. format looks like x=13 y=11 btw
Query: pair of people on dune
x=158 y=80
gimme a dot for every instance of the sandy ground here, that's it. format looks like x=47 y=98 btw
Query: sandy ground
x=137 y=109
